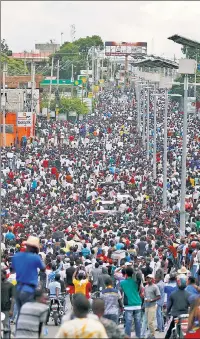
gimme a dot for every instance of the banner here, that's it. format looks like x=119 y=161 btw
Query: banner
x=24 y=119
x=113 y=48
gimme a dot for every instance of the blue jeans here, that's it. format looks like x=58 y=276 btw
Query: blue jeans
x=15 y=312
x=159 y=318
x=21 y=298
x=129 y=316
x=113 y=317
x=144 y=324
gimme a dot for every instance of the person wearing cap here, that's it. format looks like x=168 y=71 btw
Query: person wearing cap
x=26 y=265
x=151 y=295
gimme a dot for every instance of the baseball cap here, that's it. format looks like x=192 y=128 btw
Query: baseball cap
x=150 y=276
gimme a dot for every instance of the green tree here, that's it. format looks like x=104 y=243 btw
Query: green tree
x=4 y=48
x=73 y=104
x=66 y=105
x=14 y=66
x=76 y=53
x=190 y=53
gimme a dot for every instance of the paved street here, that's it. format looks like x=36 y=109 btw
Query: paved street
x=52 y=330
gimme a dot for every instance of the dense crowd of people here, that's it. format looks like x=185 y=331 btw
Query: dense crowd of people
x=82 y=196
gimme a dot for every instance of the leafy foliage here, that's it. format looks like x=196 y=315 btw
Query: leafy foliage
x=4 y=48
x=66 y=105
x=14 y=67
x=76 y=53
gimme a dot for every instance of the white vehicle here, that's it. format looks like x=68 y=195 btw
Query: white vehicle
x=121 y=197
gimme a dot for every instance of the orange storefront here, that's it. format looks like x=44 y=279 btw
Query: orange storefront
x=17 y=132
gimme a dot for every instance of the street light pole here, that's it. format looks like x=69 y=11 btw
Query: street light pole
x=154 y=138
x=3 y=104
x=144 y=121
x=165 y=151
x=147 y=123
x=138 y=110
x=72 y=80
x=184 y=150
x=32 y=95
x=49 y=102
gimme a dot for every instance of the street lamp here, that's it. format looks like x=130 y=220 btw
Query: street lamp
x=186 y=67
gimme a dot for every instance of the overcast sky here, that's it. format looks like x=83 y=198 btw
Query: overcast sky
x=24 y=23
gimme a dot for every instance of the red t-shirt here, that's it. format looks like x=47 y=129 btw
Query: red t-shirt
x=46 y=163
x=53 y=170
x=88 y=290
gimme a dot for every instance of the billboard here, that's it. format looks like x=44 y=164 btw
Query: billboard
x=113 y=48
x=24 y=119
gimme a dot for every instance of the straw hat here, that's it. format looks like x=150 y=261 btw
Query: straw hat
x=33 y=241
x=183 y=270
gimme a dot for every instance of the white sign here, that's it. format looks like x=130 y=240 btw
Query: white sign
x=86 y=72
x=44 y=111
x=24 y=119
x=72 y=114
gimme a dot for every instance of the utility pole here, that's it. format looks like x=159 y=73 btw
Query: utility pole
x=138 y=109
x=102 y=69
x=87 y=83
x=49 y=103
x=58 y=73
x=57 y=88
x=93 y=68
x=3 y=103
x=32 y=95
x=72 y=81
x=61 y=40
x=184 y=155
x=165 y=152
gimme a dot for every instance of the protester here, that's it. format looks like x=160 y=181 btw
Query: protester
x=26 y=264
x=151 y=294
x=32 y=316
x=87 y=192
x=7 y=302
x=81 y=326
x=112 y=330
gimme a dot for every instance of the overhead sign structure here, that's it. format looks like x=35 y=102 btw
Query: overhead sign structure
x=113 y=48
x=61 y=82
x=24 y=119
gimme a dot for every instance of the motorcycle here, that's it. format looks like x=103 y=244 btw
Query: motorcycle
x=56 y=309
